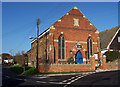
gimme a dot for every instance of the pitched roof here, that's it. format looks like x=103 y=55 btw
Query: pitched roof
x=107 y=35
x=62 y=24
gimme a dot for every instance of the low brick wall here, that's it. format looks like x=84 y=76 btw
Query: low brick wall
x=113 y=66
x=64 y=67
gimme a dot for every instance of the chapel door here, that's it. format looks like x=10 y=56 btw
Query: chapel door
x=78 y=58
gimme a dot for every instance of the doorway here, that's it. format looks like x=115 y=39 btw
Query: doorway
x=78 y=57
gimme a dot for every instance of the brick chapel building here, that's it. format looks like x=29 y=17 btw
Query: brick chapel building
x=73 y=35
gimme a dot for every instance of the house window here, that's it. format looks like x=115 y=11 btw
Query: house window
x=89 y=47
x=118 y=39
x=61 y=47
x=76 y=22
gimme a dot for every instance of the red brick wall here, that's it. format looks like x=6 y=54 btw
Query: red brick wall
x=113 y=66
x=67 y=67
x=74 y=33
x=64 y=67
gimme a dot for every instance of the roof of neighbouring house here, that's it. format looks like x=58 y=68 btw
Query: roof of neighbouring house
x=107 y=36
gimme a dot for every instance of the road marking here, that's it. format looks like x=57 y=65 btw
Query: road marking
x=78 y=77
x=41 y=82
x=64 y=85
x=25 y=79
x=51 y=82
x=19 y=79
x=7 y=76
x=65 y=81
x=41 y=77
x=72 y=77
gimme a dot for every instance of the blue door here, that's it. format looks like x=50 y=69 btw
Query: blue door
x=78 y=58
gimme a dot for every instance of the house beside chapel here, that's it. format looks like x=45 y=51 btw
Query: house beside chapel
x=73 y=35
x=110 y=40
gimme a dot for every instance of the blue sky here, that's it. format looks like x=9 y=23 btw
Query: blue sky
x=19 y=19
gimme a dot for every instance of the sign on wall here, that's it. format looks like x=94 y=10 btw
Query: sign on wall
x=79 y=47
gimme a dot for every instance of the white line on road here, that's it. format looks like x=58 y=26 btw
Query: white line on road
x=51 y=82
x=78 y=77
x=65 y=81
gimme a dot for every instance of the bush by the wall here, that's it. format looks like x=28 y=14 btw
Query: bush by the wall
x=31 y=71
x=27 y=68
x=70 y=60
x=111 y=55
x=17 y=69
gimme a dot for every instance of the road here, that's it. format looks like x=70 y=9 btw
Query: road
x=87 y=79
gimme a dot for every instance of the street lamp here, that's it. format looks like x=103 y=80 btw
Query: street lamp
x=37 y=44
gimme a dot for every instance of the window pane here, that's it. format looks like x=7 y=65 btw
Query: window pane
x=63 y=45
x=59 y=48
x=118 y=39
x=90 y=47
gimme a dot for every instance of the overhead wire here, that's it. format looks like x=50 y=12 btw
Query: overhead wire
x=23 y=41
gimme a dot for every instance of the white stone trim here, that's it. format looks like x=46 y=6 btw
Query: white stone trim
x=84 y=16
x=113 y=38
x=75 y=7
x=50 y=33
x=91 y=24
x=84 y=59
x=52 y=27
x=73 y=50
x=55 y=40
x=94 y=42
x=40 y=35
x=97 y=32
x=89 y=34
x=84 y=49
x=59 y=20
x=75 y=41
x=44 y=33
x=67 y=13
x=61 y=32
x=33 y=40
x=76 y=22
x=71 y=41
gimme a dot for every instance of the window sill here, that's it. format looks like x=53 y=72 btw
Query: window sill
x=61 y=59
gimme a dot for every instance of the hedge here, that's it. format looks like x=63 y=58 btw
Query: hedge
x=111 y=55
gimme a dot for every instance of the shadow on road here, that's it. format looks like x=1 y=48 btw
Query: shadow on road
x=9 y=78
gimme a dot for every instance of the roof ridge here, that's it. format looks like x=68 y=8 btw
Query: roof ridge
x=110 y=29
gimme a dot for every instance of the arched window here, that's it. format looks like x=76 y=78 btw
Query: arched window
x=61 y=47
x=89 y=47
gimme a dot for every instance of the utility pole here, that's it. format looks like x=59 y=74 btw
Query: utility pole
x=37 y=44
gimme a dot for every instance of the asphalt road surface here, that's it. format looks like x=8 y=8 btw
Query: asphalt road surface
x=109 y=78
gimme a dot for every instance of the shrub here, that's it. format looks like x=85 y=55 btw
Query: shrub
x=70 y=60
x=31 y=71
x=111 y=55
x=17 y=69
x=27 y=67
